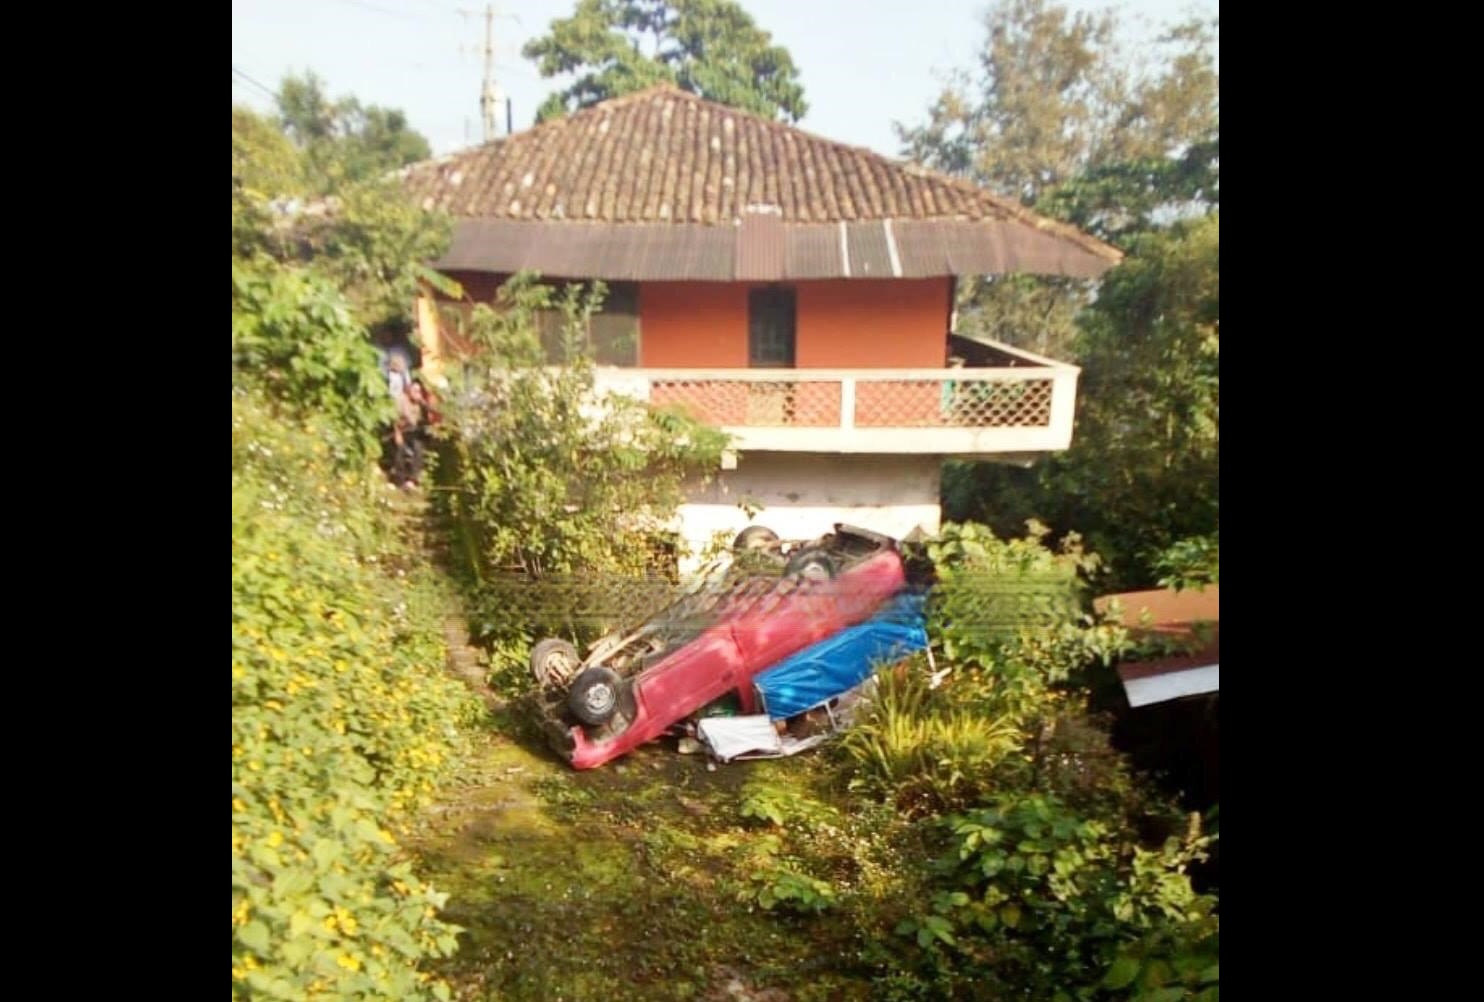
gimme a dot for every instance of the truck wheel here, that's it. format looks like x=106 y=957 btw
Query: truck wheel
x=594 y=695
x=754 y=537
x=811 y=565
x=554 y=662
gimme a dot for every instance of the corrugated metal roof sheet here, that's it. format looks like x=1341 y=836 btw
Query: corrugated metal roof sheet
x=813 y=251
x=762 y=248
x=869 y=257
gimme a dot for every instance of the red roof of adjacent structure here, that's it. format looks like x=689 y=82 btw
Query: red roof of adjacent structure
x=1177 y=615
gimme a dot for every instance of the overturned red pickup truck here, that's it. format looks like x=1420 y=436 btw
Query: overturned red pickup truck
x=633 y=689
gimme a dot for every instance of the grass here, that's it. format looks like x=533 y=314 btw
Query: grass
x=631 y=881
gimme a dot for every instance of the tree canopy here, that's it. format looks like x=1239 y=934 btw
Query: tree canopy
x=1057 y=116
x=362 y=233
x=712 y=48
x=343 y=140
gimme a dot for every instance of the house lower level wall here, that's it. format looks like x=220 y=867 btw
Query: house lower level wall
x=803 y=495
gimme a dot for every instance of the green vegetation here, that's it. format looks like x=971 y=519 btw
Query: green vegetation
x=709 y=47
x=559 y=495
x=344 y=721
x=1129 y=151
x=974 y=836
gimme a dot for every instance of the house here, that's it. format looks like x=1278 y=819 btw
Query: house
x=797 y=292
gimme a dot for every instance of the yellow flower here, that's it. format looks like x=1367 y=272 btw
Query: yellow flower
x=348 y=962
x=400 y=887
x=330 y=925
x=237 y=671
x=273 y=704
x=275 y=839
x=238 y=805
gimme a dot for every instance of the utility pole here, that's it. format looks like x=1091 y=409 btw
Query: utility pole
x=489 y=99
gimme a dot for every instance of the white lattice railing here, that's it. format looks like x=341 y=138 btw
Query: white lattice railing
x=1011 y=409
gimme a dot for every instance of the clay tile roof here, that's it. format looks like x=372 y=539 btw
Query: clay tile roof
x=665 y=157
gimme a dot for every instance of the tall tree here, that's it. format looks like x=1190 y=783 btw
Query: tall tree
x=366 y=238
x=1056 y=103
x=342 y=140
x=712 y=48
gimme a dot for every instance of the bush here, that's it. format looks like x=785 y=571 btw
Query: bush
x=917 y=748
x=559 y=496
x=1009 y=616
x=1033 y=901
x=294 y=338
x=343 y=721
x=1194 y=562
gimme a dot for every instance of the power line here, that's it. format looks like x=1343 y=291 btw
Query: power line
x=249 y=80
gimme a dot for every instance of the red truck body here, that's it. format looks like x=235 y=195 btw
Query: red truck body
x=727 y=655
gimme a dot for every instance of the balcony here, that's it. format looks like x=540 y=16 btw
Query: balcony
x=1025 y=406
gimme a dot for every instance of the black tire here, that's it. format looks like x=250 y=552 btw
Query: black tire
x=594 y=696
x=811 y=565
x=754 y=537
x=554 y=662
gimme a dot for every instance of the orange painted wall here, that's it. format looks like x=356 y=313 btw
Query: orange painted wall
x=871 y=324
x=693 y=325
x=842 y=323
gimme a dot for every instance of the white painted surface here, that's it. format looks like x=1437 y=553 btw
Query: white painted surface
x=802 y=496
x=1174 y=685
x=845 y=433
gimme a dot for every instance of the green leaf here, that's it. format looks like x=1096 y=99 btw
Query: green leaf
x=1010 y=915
x=1122 y=973
x=254 y=935
x=1175 y=994
x=1212 y=973
x=326 y=851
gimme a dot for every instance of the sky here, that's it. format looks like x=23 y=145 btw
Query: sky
x=864 y=63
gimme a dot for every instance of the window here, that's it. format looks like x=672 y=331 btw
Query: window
x=770 y=328
x=613 y=332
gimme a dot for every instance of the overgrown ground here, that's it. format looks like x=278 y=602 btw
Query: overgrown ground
x=625 y=881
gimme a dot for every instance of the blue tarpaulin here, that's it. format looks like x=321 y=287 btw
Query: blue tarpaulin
x=839 y=664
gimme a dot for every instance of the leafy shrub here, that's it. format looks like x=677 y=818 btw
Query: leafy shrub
x=1036 y=902
x=545 y=480
x=919 y=749
x=789 y=890
x=782 y=805
x=293 y=337
x=1008 y=615
x=343 y=721
x=1194 y=562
